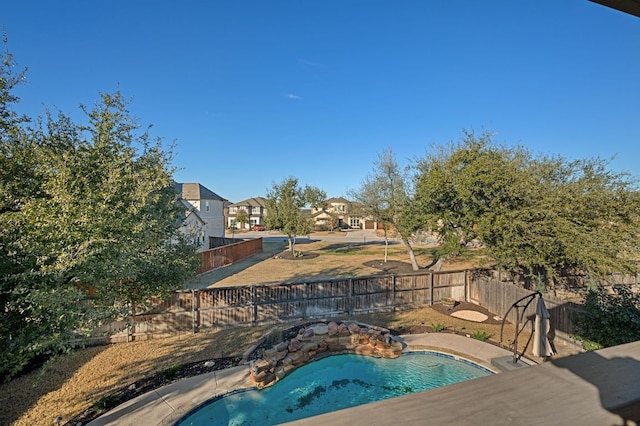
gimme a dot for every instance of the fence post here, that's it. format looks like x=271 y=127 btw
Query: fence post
x=350 y=303
x=393 y=293
x=430 y=288
x=193 y=311
x=466 y=286
x=254 y=306
x=306 y=300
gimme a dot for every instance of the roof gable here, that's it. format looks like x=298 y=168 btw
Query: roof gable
x=337 y=200
x=251 y=202
x=189 y=210
x=196 y=191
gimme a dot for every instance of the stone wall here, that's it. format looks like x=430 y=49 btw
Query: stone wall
x=320 y=340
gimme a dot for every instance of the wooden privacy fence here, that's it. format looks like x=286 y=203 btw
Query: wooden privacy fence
x=225 y=255
x=195 y=310
x=213 y=308
x=498 y=297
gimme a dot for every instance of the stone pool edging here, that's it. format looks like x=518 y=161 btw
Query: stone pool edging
x=319 y=340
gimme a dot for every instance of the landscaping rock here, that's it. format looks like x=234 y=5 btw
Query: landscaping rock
x=294 y=345
x=319 y=340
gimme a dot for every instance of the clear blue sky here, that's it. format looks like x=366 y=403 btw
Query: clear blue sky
x=256 y=91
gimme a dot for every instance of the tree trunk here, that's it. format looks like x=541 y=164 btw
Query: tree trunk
x=129 y=320
x=292 y=244
x=438 y=265
x=386 y=246
x=412 y=256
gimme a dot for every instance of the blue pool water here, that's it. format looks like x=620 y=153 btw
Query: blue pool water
x=334 y=383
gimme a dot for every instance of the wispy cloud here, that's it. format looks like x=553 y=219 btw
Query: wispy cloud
x=310 y=64
x=292 y=96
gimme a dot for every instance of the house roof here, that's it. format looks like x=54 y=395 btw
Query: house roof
x=252 y=202
x=196 y=191
x=318 y=213
x=338 y=200
x=631 y=7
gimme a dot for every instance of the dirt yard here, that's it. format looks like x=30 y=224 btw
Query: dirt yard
x=79 y=382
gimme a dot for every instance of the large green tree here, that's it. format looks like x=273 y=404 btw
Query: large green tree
x=85 y=210
x=385 y=196
x=242 y=217
x=536 y=216
x=284 y=203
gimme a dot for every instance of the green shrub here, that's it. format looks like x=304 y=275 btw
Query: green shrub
x=438 y=327
x=274 y=336
x=171 y=372
x=107 y=402
x=590 y=346
x=481 y=335
x=608 y=319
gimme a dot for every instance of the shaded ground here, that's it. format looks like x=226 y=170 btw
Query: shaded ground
x=390 y=266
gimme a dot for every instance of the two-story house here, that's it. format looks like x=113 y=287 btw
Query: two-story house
x=255 y=212
x=204 y=212
x=336 y=212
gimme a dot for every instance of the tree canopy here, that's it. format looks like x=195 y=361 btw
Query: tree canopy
x=536 y=216
x=86 y=209
x=284 y=203
x=385 y=196
x=242 y=217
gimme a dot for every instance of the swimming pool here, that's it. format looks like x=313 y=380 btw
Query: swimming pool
x=334 y=383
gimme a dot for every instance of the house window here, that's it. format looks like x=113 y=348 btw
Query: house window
x=234 y=210
x=354 y=222
x=206 y=206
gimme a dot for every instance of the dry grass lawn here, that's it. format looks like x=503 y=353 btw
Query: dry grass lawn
x=323 y=260
x=72 y=383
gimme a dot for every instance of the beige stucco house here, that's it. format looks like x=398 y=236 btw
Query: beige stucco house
x=337 y=212
x=204 y=212
x=255 y=209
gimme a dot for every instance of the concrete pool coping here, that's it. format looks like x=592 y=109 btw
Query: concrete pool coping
x=167 y=405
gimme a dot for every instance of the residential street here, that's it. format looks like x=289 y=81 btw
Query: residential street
x=349 y=236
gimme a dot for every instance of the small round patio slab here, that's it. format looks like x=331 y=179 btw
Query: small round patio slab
x=470 y=316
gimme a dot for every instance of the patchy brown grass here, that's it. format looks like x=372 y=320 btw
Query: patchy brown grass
x=72 y=383
x=323 y=260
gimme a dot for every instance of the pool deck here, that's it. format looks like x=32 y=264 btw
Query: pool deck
x=596 y=388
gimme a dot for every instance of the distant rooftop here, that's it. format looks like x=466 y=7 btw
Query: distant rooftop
x=251 y=202
x=196 y=191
